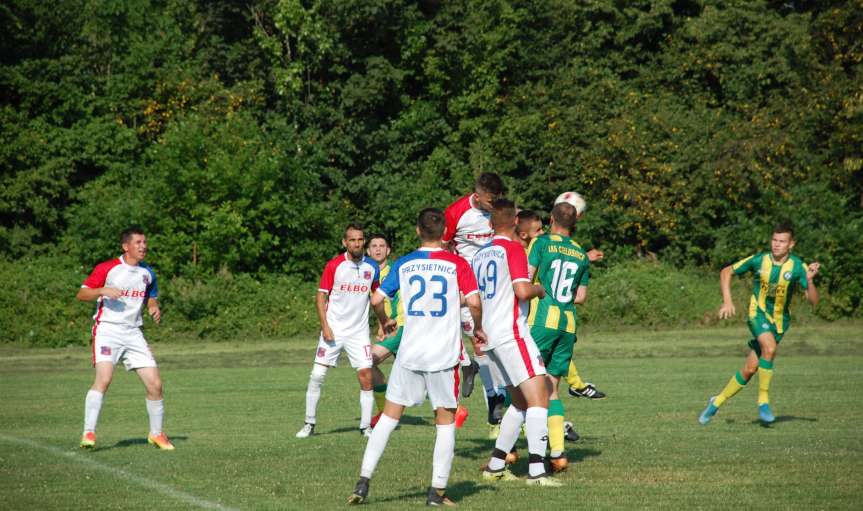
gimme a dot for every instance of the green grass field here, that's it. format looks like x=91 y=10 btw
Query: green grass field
x=233 y=408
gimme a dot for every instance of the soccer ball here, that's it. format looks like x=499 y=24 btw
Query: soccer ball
x=573 y=199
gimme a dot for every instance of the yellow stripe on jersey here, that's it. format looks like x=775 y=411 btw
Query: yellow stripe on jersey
x=534 y=305
x=555 y=237
x=570 y=321
x=740 y=263
x=782 y=293
x=552 y=319
x=764 y=278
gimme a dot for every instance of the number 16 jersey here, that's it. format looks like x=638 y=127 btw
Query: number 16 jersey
x=430 y=280
x=560 y=266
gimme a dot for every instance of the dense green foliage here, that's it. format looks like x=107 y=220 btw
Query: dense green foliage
x=244 y=135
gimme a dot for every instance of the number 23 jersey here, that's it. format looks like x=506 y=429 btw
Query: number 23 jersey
x=430 y=280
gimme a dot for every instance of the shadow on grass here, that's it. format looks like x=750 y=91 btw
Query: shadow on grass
x=783 y=418
x=455 y=491
x=482 y=450
x=406 y=420
x=131 y=442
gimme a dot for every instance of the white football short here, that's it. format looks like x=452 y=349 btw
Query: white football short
x=409 y=388
x=517 y=361
x=113 y=343
x=359 y=352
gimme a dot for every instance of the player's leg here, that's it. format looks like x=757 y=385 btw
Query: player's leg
x=536 y=392
x=360 y=355
x=326 y=356
x=406 y=388
x=555 y=346
x=734 y=385
x=768 y=346
x=443 y=394
x=152 y=381
x=556 y=431
x=380 y=352
x=93 y=402
x=579 y=387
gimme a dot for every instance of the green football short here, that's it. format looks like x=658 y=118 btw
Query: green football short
x=392 y=343
x=555 y=346
x=761 y=325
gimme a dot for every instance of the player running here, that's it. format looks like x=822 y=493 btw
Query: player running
x=122 y=288
x=430 y=281
x=342 y=303
x=467 y=230
x=560 y=266
x=505 y=289
x=777 y=275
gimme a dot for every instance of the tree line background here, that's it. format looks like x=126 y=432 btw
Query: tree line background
x=243 y=135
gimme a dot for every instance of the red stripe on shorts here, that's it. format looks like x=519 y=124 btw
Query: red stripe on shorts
x=519 y=340
x=455 y=389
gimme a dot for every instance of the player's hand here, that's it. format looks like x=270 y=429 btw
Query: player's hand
x=812 y=270
x=540 y=291
x=727 y=310
x=110 y=292
x=380 y=336
x=390 y=326
x=479 y=338
x=594 y=255
x=327 y=333
x=155 y=313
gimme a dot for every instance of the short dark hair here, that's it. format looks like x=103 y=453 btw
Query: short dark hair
x=565 y=215
x=491 y=183
x=528 y=215
x=355 y=226
x=431 y=223
x=130 y=231
x=502 y=212
x=784 y=226
x=376 y=236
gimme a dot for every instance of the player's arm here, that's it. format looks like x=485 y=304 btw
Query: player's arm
x=524 y=290
x=727 y=309
x=811 y=291
x=86 y=294
x=594 y=255
x=321 y=306
x=580 y=295
x=154 y=310
x=474 y=305
x=379 y=306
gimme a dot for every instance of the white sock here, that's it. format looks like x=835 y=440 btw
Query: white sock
x=156 y=411
x=313 y=392
x=485 y=374
x=444 y=451
x=367 y=403
x=536 y=429
x=92 y=407
x=510 y=428
x=497 y=379
x=376 y=445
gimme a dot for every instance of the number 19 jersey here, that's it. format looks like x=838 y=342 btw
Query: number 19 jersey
x=429 y=281
x=498 y=266
x=560 y=267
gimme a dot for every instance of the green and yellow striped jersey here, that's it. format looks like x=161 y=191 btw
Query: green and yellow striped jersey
x=773 y=285
x=393 y=306
x=561 y=266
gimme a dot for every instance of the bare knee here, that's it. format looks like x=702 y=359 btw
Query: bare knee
x=365 y=378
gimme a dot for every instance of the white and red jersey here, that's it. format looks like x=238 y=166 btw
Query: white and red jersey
x=430 y=281
x=348 y=285
x=468 y=225
x=137 y=283
x=497 y=267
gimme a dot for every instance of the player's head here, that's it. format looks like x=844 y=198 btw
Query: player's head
x=378 y=247
x=782 y=240
x=489 y=187
x=354 y=240
x=133 y=242
x=529 y=226
x=430 y=224
x=503 y=217
x=564 y=216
